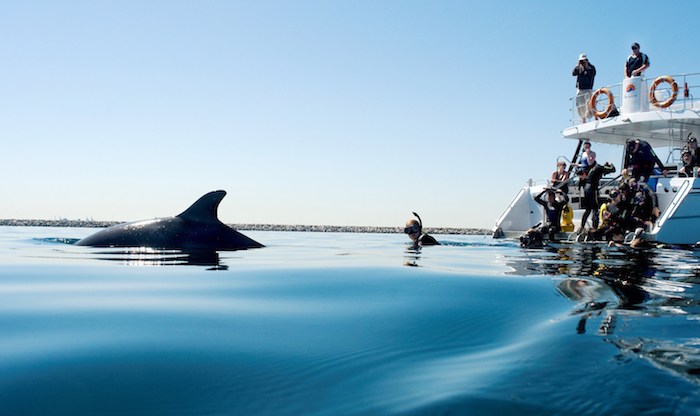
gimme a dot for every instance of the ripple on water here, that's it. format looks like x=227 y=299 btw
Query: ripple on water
x=328 y=324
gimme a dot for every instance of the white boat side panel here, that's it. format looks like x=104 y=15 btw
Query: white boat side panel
x=679 y=224
x=523 y=212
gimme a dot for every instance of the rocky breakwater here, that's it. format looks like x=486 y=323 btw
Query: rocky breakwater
x=251 y=227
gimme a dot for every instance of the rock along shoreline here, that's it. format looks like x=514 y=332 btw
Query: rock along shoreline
x=252 y=227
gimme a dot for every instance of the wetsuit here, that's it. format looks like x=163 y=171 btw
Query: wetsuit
x=553 y=213
x=642 y=161
x=610 y=218
x=687 y=169
x=427 y=240
x=590 y=191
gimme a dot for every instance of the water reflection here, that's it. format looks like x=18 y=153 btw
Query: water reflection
x=655 y=281
x=682 y=359
x=143 y=256
x=412 y=254
x=135 y=256
x=640 y=301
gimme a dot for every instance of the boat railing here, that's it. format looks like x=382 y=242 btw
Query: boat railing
x=685 y=100
x=611 y=182
x=562 y=158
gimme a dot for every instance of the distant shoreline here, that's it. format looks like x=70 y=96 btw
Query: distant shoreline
x=253 y=227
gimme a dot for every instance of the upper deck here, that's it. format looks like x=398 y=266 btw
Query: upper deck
x=639 y=118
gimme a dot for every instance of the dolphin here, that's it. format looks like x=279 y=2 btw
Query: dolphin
x=197 y=228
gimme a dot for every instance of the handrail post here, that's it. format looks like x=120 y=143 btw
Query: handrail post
x=573 y=159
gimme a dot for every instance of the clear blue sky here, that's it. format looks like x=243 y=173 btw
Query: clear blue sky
x=306 y=112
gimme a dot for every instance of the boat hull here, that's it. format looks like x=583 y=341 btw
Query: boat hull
x=679 y=223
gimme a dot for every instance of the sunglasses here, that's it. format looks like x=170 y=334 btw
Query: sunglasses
x=634 y=48
x=411 y=230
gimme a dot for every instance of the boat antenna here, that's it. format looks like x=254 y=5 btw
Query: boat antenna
x=420 y=222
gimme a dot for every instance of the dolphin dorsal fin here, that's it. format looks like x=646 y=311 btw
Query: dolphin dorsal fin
x=205 y=208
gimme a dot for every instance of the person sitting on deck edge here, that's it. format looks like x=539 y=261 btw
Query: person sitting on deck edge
x=553 y=206
x=641 y=159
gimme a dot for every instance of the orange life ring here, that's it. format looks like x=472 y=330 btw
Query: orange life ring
x=593 y=103
x=652 y=90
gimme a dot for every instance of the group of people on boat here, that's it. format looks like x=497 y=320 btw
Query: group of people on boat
x=631 y=205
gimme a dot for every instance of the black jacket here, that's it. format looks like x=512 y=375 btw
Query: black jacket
x=585 y=76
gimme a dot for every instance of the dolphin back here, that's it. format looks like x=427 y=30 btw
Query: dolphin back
x=198 y=227
x=205 y=209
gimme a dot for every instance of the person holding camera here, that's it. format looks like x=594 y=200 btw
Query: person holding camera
x=585 y=75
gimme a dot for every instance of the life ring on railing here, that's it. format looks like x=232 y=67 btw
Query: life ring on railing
x=652 y=90
x=593 y=103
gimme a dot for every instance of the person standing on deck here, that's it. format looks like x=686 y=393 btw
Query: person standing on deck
x=693 y=148
x=583 y=160
x=585 y=75
x=636 y=63
x=591 y=182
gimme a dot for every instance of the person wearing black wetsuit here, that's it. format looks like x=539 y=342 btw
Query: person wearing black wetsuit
x=641 y=158
x=688 y=164
x=552 y=208
x=591 y=182
x=414 y=230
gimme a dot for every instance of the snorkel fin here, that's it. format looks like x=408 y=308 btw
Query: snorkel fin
x=420 y=222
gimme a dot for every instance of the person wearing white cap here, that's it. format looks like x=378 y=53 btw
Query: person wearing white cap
x=585 y=75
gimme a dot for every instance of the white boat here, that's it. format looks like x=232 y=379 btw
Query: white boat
x=661 y=111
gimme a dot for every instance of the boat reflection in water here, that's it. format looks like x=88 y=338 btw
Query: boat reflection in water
x=637 y=300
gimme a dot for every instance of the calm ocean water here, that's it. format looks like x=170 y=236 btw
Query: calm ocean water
x=346 y=324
